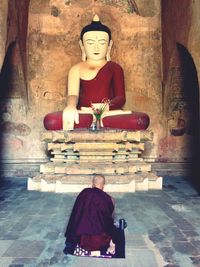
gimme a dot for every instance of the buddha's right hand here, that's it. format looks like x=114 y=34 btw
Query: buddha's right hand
x=70 y=116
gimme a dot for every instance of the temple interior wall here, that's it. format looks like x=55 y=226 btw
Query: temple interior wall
x=37 y=51
x=181 y=73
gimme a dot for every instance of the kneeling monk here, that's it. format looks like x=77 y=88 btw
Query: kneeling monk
x=91 y=226
x=91 y=81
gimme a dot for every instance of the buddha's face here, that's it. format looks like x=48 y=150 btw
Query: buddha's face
x=96 y=45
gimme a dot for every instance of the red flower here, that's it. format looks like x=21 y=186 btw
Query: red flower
x=99 y=111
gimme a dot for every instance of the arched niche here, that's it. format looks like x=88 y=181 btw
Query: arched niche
x=181 y=104
x=190 y=88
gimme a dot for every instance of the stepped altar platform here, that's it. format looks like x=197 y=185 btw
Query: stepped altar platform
x=75 y=156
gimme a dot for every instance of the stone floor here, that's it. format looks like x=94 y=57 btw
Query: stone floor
x=163 y=227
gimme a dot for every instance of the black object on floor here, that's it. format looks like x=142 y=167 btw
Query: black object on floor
x=119 y=240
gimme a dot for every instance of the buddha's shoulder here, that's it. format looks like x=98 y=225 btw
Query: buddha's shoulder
x=78 y=66
x=75 y=68
x=114 y=64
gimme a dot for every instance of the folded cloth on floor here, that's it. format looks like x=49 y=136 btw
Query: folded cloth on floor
x=85 y=253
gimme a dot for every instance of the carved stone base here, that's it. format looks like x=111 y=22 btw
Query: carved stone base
x=77 y=155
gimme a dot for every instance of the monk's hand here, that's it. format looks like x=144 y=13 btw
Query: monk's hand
x=111 y=248
x=70 y=116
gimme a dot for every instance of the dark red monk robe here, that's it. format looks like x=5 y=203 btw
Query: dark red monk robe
x=108 y=83
x=91 y=222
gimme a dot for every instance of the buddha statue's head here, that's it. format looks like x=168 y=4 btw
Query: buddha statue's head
x=95 y=41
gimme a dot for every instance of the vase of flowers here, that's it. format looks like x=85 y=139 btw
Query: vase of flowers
x=98 y=123
x=98 y=110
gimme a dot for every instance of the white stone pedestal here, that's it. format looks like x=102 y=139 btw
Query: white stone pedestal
x=75 y=156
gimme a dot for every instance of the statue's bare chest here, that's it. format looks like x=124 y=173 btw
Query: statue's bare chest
x=89 y=72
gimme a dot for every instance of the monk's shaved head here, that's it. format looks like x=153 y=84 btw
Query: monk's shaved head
x=98 y=181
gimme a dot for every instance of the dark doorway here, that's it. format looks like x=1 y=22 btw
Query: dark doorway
x=190 y=91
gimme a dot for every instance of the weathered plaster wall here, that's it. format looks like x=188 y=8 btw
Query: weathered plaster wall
x=194 y=36
x=181 y=37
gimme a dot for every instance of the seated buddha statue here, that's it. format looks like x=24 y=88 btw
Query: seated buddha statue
x=91 y=81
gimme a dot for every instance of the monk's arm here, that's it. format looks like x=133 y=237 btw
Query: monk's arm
x=119 y=98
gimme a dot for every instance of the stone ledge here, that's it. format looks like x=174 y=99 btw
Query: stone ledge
x=114 y=183
x=88 y=168
x=91 y=136
x=11 y=168
x=31 y=168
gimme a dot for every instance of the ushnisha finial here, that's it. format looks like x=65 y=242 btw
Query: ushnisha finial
x=96 y=18
x=95 y=25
